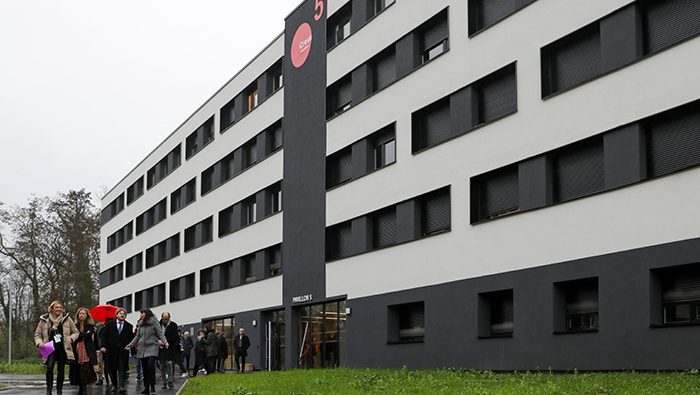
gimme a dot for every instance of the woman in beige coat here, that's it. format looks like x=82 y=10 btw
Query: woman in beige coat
x=56 y=326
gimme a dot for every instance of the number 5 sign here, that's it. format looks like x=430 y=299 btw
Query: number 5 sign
x=319 y=10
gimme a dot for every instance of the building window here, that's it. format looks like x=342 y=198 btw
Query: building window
x=183 y=196
x=384 y=147
x=381 y=5
x=497 y=95
x=383 y=69
x=120 y=237
x=496 y=314
x=182 y=288
x=339 y=96
x=431 y=125
x=577 y=303
x=571 y=60
x=495 y=194
x=123 y=302
x=434 y=38
x=114 y=208
x=578 y=170
x=250 y=153
x=248 y=268
x=134 y=264
x=206 y=281
x=275 y=76
x=669 y=22
x=407 y=323
x=274 y=199
x=680 y=294
x=673 y=140
x=228 y=114
x=151 y=217
x=339 y=167
x=199 y=138
x=134 y=191
x=163 y=168
x=435 y=212
x=112 y=275
x=338 y=26
x=150 y=297
x=275 y=260
x=252 y=98
x=338 y=241
x=163 y=251
x=249 y=208
x=199 y=234
x=485 y=13
x=276 y=136
x=384 y=228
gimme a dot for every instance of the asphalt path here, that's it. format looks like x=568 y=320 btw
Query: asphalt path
x=35 y=385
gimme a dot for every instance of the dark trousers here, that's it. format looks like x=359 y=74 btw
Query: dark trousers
x=210 y=364
x=57 y=358
x=186 y=361
x=118 y=365
x=221 y=364
x=149 y=371
x=240 y=367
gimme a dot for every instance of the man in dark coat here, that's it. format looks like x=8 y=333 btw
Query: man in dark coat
x=240 y=349
x=167 y=355
x=223 y=351
x=113 y=339
x=187 y=346
x=212 y=349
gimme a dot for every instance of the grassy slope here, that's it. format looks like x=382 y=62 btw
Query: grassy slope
x=366 y=381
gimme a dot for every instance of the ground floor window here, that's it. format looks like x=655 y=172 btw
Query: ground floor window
x=226 y=326
x=322 y=336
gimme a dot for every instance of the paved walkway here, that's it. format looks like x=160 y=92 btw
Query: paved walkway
x=35 y=385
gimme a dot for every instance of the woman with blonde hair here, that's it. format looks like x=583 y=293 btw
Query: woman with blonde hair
x=83 y=373
x=56 y=326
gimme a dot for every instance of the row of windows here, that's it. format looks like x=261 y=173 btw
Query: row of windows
x=416 y=48
x=675 y=292
x=406 y=221
x=486 y=13
x=251 y=152
x=362 y=157
x=349 y=18
x=267 y=84
x=652 y=147
x=183 y=196
x=163 y=251
x=486 y=100
x=252 y=209
x=120 y=237
x=247 y=100
x=199 y=234
x=259 y=265
x=152 y=217
x=618 y=39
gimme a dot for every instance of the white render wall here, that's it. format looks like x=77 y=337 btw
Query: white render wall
x=653 y=212
x=260 y=235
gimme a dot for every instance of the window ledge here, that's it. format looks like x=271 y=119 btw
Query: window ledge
x=396 y=342
x=260 y=103
x=201 y=245
x=577 y=332
x=483 y=29
x=200 y=150
x=239 y=173
x=674 y=325
x=510 y=336
x=346 y=182
x=221 y=236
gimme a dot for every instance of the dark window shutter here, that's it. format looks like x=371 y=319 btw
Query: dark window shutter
x=576 y=59
x=502 y=313
x=344 y=94
x=492 y=11
x=436 y=212
x=385 y=72
x=434 y=124
x=435 y=33
x=384 y=229
x=681 y=286
x=339 y=168
x=339 y=241
x=498 y=193
x=579 y=170
x=498 y=96
x=582 y=297
x=673 y=141
x=668 y=22
x=412 y=316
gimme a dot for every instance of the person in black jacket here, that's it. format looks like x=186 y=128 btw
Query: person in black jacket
x=82 y=373
x=223 y=351
x=115 y=336
x=200 y=352
x=240 y=349
x=187 y=346
x=167 y=355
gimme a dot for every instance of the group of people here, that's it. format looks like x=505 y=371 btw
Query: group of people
x=85 y=346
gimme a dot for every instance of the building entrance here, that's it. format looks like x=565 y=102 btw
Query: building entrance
x=226 y=326
x=275 y=340
x=322 y=338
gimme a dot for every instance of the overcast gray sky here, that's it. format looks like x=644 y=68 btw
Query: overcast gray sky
x=89 y=87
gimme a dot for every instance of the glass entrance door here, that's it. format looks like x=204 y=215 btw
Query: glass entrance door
x=321 y=335
x=226 y=326
x=275 y=341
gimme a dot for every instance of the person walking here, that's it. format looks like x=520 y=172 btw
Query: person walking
x=149 y=338
x=222 y=346
x=240 y=349
x=200 y=353
x=82 y=373
x=167 y=356
x=114 y=337
x=212 y=348
x=187 y=346
x=58 y=327
x=101 y=372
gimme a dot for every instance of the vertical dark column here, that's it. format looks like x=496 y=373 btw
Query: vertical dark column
x=463 y=110
x=260 y=269
x=625 y=156
x=263 y=88
x=621 y=37
x=360 y=157
x=535 y=183
x=408 y=224
x=361 y=83
x=360 y=14
x=407 y=54
x=361 y=234
x=304 y=192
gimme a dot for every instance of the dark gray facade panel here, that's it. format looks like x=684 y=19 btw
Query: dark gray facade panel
x=625 y=156
x=535 y=183
x=407 y=54
x=361 y=156
x=408 y=221
x=621 y=38
x=461 y=111
x=624 y=340
x=361 y=83
x=304 y=186
x=361 y=235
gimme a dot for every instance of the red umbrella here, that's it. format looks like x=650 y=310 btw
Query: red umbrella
x=103 y=312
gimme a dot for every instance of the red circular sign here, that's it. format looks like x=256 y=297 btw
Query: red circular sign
x=301 y=45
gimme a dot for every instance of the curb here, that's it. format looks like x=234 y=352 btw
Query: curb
x=183 y=386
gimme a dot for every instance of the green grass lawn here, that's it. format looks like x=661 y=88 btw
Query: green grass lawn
x=376 y=381
x=22 y=367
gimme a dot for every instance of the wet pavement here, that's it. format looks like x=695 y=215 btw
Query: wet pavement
x=35 y=385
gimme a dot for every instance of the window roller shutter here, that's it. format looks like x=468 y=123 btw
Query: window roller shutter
x=344 y=94
x=578 y=61
x=498 y=97
x=668 y=22
x=344 y=240
x=436 y=124
x=385 y=229
x=682 y=289
x=579 y=171
x=491 y=11
x=499 y=193
x=674 y=142
x=434 y=34
x=437 y=213
x=385 y=71
x=582 y=300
